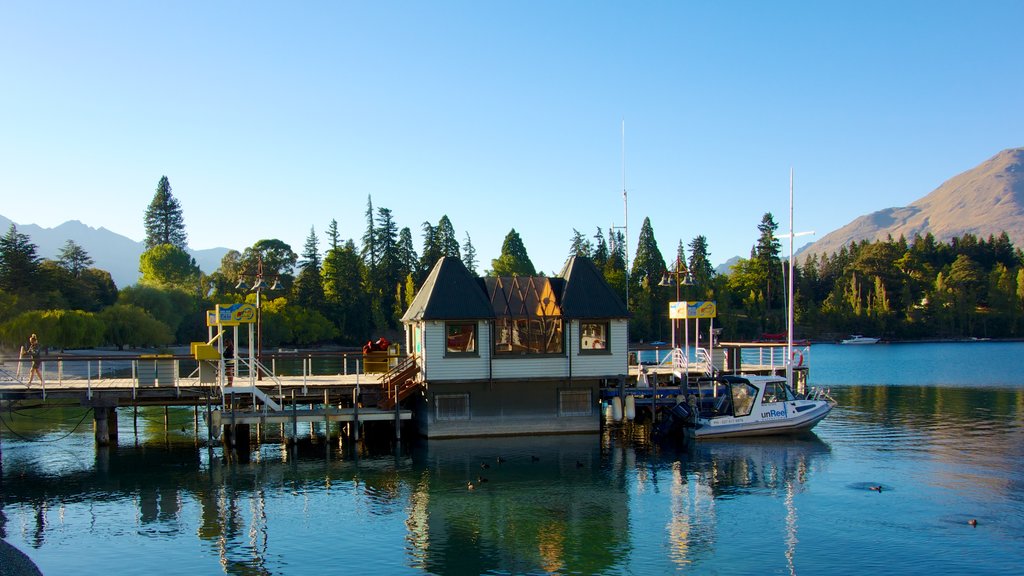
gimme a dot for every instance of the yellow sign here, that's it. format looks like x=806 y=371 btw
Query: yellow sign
x=688 y=310
x=233 y=315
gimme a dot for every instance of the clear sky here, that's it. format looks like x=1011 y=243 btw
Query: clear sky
x=270 y=118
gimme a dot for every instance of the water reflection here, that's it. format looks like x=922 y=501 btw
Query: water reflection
x=603 y=503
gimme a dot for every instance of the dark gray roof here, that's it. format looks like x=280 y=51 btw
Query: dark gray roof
x=587 y=294
x=450 y=292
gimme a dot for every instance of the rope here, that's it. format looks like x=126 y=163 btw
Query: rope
x=26 y=439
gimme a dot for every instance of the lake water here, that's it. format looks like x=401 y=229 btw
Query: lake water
x=940 y=427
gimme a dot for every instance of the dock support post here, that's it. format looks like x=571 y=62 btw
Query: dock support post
x=398 y=422
x=102 y=417
x=295 y=419
x=355 y=413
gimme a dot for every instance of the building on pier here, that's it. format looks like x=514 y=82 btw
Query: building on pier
x=514 y=355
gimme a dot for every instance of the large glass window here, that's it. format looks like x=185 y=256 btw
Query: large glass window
x=461 y=338
x=594 y=337
x=528 y=335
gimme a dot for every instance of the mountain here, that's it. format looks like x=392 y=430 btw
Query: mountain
x=110 y=251
x=984 y=200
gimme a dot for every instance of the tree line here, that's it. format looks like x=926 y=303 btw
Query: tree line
x=346 y=293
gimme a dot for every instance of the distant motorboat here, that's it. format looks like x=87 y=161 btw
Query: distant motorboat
x=858 y=339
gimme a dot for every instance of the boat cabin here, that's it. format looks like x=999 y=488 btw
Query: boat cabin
x=514 y=355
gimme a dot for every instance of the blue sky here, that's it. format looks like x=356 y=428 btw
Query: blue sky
x=272 y=118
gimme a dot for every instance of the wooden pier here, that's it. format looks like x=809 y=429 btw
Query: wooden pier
x=107 y=382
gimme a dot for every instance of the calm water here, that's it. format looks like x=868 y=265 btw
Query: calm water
x=940 y=427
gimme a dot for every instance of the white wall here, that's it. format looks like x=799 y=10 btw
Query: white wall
x=438 y=367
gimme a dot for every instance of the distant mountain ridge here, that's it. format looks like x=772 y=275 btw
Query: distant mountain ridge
x=110 y=251
x=985 y=200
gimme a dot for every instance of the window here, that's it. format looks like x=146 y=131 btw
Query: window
x=743 y=399
x=522 y=336
x=452 y=406
x=574 y=403
x=461 y=338
x=594 y=338
x=777 y=391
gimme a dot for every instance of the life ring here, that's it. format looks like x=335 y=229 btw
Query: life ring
x=799 y=357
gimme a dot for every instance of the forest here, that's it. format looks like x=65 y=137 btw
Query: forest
x=347 y=292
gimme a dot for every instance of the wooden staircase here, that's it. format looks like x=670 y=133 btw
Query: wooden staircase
x=399 y=383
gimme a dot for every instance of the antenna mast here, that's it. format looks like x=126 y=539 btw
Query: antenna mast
x=625 y=212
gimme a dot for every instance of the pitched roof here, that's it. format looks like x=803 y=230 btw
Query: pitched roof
x=587 y=294
x=450 y=292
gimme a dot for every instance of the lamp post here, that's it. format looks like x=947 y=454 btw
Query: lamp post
x=258 y=286
x=679 y=277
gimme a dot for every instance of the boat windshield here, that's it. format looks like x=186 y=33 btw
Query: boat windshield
x=743 y=399
x=778 y=391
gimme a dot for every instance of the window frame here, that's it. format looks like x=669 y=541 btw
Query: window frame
x=475 y=352
x=607 y=326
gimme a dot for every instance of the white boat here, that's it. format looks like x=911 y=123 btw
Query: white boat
x=745 y=405
x=858 y=339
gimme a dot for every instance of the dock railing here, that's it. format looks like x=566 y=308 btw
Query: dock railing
x=726 y=357
x=134 y=370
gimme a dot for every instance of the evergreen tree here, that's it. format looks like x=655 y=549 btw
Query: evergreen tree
x=600 y=252
x=333 y=238
x=649 y=302
x=469 y=255
x=386 y=278
x=580 y=245
x=74 y=258
x=408 y=267
x=309 y=289
x=164 y=221
x=409 y=262
x=446 y=238
x=19 y=264
x=369 y=254
x=431 y=248
x=513 y=261
x=700 y=264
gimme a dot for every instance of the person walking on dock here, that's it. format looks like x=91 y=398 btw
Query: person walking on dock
x=33 y=353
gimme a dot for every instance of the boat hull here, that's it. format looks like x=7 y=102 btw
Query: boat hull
x=796 y=424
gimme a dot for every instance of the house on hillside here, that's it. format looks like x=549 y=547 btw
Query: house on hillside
x=514 y=355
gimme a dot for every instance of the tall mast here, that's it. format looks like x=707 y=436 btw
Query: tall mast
x=625 y=212
x=789 y=328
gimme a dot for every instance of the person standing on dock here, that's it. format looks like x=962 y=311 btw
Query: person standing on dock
x=229 y=361
x=33 y=353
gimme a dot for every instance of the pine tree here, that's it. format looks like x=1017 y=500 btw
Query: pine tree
x=700 y=264
x=649 y=304
x=74 y=258
x=446 y=238
x=309 y=289
x=19 y=264
x=164 y=221
x=431 y=248
x=580 y=245
x=600 y=251
x=469 y=255
x=369 y=254
x=514 y=261
x=332 y=235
